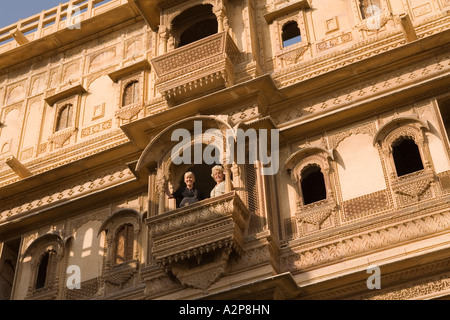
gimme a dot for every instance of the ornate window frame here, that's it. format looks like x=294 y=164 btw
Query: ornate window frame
x=117 y=275
x=47 y=243
x=317 y=212
x=403 y=127
x=135 y=72
x=415 y=186
x=277 y=18
x=111 y=227
x=166 y=33
x=58 y=101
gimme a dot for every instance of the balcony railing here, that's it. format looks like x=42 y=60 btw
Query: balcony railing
x=202 y=227
x=51 y=21
x=197 y=68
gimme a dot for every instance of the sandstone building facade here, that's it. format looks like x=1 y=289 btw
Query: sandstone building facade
x=92 y=91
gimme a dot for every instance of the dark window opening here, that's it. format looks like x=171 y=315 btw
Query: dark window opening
x=8 y=262
x=406 y=156
x=131 y=93
x=199 y=30
x=45 y=269
x=444 y=108
x=124 y=244
x=193 y=24
x=313 y=185
x=203 y=179
x=64 y=117
x=291 y=34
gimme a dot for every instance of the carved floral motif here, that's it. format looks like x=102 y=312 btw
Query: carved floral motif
x=60 y=137
x=214 y=226
x=129 y=111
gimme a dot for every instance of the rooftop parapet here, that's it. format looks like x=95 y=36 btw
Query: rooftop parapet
x=60 y=26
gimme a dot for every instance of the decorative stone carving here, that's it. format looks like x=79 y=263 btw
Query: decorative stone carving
x=203 y=276
x=316 y=213
x=365 y=242
x=292 y=56
x=89 y=289
x=120 y=274
x=209 y=230
x=375 y=22
x=197 y=67
x=60 y=137
x=414 y=187
x=130 y=111
x=366 y=205
x=157 y=282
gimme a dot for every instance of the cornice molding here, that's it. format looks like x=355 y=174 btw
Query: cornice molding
x=360 y=242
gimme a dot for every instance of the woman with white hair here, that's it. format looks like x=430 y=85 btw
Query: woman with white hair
x=218 y=175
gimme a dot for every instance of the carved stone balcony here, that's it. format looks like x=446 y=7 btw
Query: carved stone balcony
x=197 y=68
x=194 y=242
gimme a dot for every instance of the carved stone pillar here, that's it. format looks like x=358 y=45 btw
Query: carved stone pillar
x=161 y=190
x=296 y=179
x=222 y=22
x=163 y=37
x=109 y=251
x=327 y=180
x=151 y=196
x=162 y=203
x=228 y=183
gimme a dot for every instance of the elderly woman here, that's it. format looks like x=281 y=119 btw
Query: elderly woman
x=219 y=177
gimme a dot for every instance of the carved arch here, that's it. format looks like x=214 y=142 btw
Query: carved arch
x=51 y=243
x=161 y=145
x=113 y=224
x=156 y=160
x=306 y=158
x=166 y=30
x=404 y=127
x=53 y=240
x=397 y=122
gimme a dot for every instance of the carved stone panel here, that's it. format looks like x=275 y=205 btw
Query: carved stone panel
x=194 y=242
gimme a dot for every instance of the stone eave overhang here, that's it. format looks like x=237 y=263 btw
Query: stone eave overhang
x=81 y=168
x=356 y=73
x=66 y=37
x=397 y=272
x=150 y=11
x=283 y=285
x=65 y=208
x=262 y=85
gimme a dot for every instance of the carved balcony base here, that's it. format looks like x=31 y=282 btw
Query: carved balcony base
x=197 y=68
x=202 y=271
x=120 y=274
x=414 y=187
x=194 y=243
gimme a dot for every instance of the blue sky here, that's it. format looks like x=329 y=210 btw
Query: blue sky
x=14 y=10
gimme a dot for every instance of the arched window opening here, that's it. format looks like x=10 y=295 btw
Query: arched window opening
x=199 y=30
x=369 y=8
x=64 y=118
x=194 y=24
x=8 y=262
x=407 y=157
x=124 y=244
x=313 y=185
x=444 y=108
x=131 y=93
x=45 y=269
x=291 y=34
x=203 y=179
